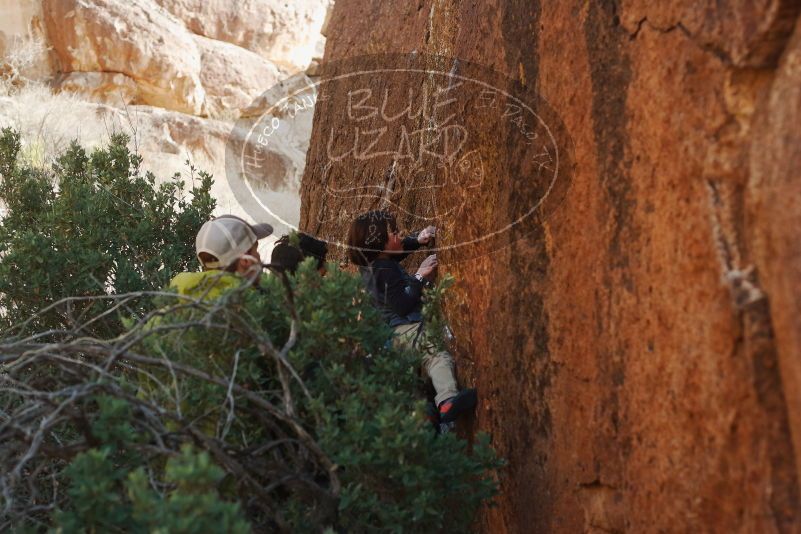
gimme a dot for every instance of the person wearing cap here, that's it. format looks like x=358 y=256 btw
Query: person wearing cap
x=227 y=248
x=288 y=256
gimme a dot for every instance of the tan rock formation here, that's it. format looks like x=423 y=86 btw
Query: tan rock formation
x=231 y=79
x=110 y=51
x=622 y=341
x=287 y=33
x=231 y=76
x=112 y=88
x=138 y=39
x=175 y=74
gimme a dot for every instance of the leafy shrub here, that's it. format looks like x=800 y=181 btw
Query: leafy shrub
x=92 y=225
x=104 y=497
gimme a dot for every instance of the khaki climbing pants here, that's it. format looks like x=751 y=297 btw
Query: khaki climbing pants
x=438 y=365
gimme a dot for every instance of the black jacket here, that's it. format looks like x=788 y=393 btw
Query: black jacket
x=396 y=293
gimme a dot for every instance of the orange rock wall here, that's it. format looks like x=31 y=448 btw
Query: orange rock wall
x=637 y=351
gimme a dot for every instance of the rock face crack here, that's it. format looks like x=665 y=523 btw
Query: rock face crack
x=668 y=29
x=716 y=52
x=758 y=347
x=759 y=37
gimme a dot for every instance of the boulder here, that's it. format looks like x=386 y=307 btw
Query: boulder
x=111 y=51
x=232 y=77
x=286 y=33
x=635 y=342
x=136 y=38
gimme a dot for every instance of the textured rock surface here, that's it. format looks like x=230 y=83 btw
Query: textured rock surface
x=624 y=345
x=194 y=57
x=138 y=39
x=283 y=32
x=232 y=77
x=112 y=88
x=774 y=194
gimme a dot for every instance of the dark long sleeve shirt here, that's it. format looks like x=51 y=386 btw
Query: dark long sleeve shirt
x=396 y=293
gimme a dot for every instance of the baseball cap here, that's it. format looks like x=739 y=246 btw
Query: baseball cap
x=227 y=238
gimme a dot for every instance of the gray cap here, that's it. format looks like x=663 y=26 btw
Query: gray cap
x=227 y=238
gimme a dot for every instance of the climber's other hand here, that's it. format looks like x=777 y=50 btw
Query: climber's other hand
x=426 y=234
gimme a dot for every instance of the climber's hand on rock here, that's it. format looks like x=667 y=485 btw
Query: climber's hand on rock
x=426 y=234
x=428 y=269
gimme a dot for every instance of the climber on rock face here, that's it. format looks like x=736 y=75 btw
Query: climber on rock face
x=375 y=245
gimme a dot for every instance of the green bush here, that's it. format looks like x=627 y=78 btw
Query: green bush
x=104 y=497
x=93 y=224
x=279 y=407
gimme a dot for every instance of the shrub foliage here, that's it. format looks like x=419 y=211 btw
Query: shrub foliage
x=93 y=224
x=279 y=406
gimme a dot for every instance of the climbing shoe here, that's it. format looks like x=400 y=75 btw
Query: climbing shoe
x=463 y=402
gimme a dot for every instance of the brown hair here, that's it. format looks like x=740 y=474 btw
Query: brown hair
x=368 y=236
